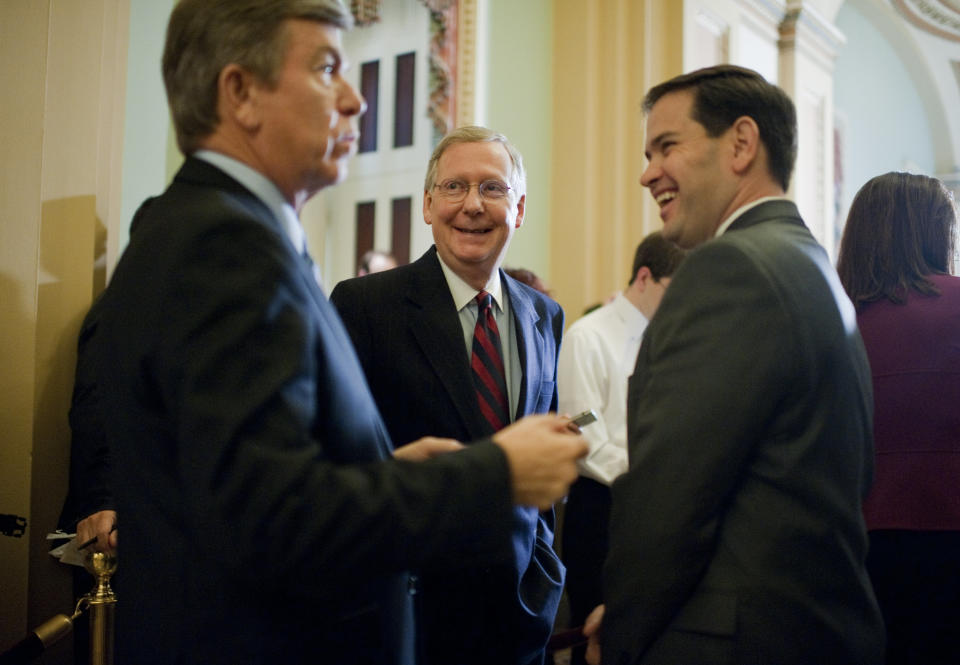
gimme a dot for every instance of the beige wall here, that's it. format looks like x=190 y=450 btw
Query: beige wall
x=62 y=61
x=605 y=56
x=22 y=30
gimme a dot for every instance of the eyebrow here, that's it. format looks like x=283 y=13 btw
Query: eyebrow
x=658 y=140
x=333 y=52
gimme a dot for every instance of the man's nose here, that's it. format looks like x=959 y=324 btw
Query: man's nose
x=650 y=174
x=351 y=101
x=473 y=200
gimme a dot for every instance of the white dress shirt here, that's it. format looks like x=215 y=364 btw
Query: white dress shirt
x=597 y=357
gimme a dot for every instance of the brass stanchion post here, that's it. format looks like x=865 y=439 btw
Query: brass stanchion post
x=101 y=604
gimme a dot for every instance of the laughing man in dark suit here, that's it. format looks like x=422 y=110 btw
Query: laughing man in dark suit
x=413 y=328
x=264 y=520
x=736 y=535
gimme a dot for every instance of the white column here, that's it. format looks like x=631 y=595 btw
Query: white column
x=808 y=49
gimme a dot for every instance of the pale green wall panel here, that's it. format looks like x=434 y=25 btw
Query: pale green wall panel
x=883 y=122
x=147 y=121
x=519 y=87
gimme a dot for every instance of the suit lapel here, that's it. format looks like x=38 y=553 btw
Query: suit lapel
x=197 y=171
x=529 y=344
x=435 y=324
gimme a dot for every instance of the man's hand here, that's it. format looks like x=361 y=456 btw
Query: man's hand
x=425 y=448
x=572 y=426
x=591 y=628
x=99 y=525
x=542 y=454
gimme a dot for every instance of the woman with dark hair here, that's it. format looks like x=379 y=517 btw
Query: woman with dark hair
x=895 y=262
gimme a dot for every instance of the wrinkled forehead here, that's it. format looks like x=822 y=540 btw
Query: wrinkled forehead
x=475 y=157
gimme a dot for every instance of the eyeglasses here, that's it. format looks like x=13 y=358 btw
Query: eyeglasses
x=457 y=190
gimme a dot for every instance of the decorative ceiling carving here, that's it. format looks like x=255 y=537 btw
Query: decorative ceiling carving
x=366 y=12
x=937 y=17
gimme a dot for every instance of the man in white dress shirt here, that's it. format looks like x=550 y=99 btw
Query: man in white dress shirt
x=596 y=359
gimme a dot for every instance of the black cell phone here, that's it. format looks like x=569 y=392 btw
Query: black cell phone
x=585 y=418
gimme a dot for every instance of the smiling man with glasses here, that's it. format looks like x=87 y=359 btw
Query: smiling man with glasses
x=453 y=346
x=474 y=198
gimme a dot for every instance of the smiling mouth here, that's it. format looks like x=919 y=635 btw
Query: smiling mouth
x=664 y=198
x=472 y=231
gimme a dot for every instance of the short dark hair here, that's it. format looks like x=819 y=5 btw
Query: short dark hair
x=723 y=93
x=204 y=36
x=901 y=228
x=659 y=255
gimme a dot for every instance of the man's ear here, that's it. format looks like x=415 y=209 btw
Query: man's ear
x=427 y=202
x=520 y=210
x=746 y=143
x=238 y=96
x=643 y=278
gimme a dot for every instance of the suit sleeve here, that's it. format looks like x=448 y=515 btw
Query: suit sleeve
x=251 y=381
x=711 y=371
x=90 y=459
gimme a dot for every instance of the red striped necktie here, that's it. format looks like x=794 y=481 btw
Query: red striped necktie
x=489 y=378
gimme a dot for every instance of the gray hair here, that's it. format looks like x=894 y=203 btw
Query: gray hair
x=474 y=134
x=204 y=36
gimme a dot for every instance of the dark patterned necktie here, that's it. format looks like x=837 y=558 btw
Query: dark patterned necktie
x=489 y=378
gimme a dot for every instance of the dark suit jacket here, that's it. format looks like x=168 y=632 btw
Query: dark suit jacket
x=90 y=489
x=736 y=535
x=408 y=336
x=260 y=524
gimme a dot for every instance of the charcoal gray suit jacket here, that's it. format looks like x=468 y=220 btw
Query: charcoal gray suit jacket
x=736 y=535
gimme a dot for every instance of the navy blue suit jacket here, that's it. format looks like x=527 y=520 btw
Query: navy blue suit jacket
x=260 y=520
x=408 y=335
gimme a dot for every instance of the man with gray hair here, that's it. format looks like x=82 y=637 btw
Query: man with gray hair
x=453 y=346
x=267 y=517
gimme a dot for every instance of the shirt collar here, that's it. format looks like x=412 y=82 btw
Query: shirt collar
x=628 y=312
x=463 y=293
x=742 y=209
x=263 y=189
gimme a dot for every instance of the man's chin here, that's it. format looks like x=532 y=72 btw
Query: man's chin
x=331 y=175
x=671 y=231
x=464 y=258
